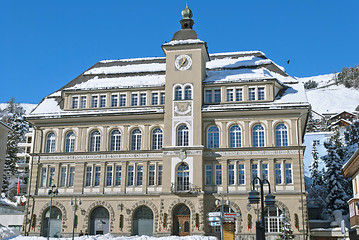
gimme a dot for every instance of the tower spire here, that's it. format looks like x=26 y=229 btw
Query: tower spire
x=187 y=13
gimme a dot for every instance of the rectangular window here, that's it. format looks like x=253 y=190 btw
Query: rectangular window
x=251 y=94
x=288 y=173
x=88 y=180
x=254 y=171
x=102 y=101
x=94 y=101
x=43 y=177
x=83 y=102
x=114 y=100
x=159 y=180
x=130 y=175
x=63 y=176
x=51 y=176
x=218 y=175
x=139 y=175
x=123 y=100
x=217 y=95
x=154 y=98
x=241 y=174
x=75 y=102
x=118 y=176
x=109 y=176
x=208 y=96
x=208 y=174
x=316 y=142
x=264 y=171
x=151 y=175
x=162 y=98
x=134 y=99
x=71 y=176
x=278 y=173
x=143 y=99
x=230 y=174
x=97 y=176
x=261 y=93
x=239 y=94
x=229 y=95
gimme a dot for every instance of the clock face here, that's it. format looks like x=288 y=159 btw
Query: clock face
x=183 y=62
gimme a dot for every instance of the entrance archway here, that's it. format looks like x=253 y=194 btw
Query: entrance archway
x=99 y=221
x=181 y=220
x=229 y=227
x=143 y=221
x=55 y=223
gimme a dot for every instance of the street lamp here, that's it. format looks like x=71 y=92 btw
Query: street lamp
x=254 y=199
x=74 y=204
x=52 y=193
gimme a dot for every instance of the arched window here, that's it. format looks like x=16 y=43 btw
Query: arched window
x=213 y=137
x=258 y=136
x=272 y=219
x=182 y=177
x=70 y=142
x=115 y=140
x=182 y=135
x=50 y=142
x=235 y=137
x=95 y=141
x=188 y=92
x=136 y=139
x=281 y=135
x=157 y=139
x=178 y=93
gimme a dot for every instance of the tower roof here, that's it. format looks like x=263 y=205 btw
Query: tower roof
x=187 y=23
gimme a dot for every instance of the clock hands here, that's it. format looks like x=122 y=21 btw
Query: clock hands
x=183 y=62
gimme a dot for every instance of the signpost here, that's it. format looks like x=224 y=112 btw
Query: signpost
x=214 y=219
x=215 y=224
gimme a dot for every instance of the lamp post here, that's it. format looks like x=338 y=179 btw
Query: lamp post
x=254 y=199
x=74 y=204
x=52 y=193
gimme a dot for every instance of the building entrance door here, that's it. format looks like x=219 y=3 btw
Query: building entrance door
x=99 y=221
x=181 y=220
x=228 y=231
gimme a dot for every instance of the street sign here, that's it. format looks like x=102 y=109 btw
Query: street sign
x=215 y=224
x=214 y=214
x=229 y=219
x=214 y=219
x=232 y=214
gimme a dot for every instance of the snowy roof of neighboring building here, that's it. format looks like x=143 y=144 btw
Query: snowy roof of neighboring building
x=352 y=165
x=341 y=114
x=341 y=120
x=229 y=67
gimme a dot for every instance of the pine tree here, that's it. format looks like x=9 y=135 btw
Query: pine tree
x=286 y=231
x=13 y=117
x=338 y=188
x=352 y=139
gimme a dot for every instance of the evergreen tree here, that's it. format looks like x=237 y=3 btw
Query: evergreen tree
x=13 y=117
x=286 y=232
x=352 y=139
x=339 y=189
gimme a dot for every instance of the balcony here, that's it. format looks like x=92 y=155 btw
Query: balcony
x=354 y=212
x=184 y=188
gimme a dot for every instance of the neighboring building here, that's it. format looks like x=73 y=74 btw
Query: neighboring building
x=150 y=144
x=351 y=170
x=4 y=130
x=341 y=121
x=11 y=216
x=24 y=161
x=317 y=138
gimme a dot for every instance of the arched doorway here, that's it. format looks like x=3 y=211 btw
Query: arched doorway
x=182 y=177
x=181 y=220
x=99 y=221
x=55 y=223
x=143 y=221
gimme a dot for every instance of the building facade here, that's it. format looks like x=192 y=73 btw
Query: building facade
x=4 y=130
x=150 y=144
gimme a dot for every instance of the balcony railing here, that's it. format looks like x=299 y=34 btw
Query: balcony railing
x=185 y=188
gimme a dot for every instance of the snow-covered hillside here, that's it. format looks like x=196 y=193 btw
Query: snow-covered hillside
x=28 y=107
x=327 y=97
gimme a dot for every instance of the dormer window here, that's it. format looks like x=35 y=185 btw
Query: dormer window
x=94 y=101
x=103 y=101
x=75 y=102
x=261 y=93
x=251 y=94
x=83 y=102
x=142 y=99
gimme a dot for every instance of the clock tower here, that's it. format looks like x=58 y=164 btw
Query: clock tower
x=186 y=58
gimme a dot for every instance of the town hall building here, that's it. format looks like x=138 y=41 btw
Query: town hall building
x=151 y=145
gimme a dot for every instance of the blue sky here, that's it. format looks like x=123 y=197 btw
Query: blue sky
x=45 y=44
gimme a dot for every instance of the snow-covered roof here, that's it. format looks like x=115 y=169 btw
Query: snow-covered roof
x=230 y=67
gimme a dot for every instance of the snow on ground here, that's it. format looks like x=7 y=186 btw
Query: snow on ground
x=109 y=236
x=7 y=233
x=330 y=98
x=333 y=99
